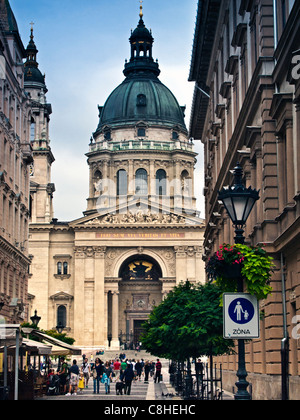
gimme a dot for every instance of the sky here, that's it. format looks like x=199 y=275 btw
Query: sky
x=82 y=47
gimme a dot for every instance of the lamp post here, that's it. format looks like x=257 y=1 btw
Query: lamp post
x=35 y=319
x=59 y=328
x=239 y=201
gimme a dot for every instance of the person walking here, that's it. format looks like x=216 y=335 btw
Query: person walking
x=147 y=371
x=127 y=376
x=117 y=369
x=139 y=369
x=85 y=367
x=108 y=372
x=63 y=373
x=158 y=368
x=74 y=375
x=123 y=366
x=97 y=374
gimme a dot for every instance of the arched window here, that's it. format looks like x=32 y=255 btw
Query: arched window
x=185 y=182
x=65 y=268
x=122 y=182
x=59 y=268
x=62 y=316
x=141 y=182
x=161 y=182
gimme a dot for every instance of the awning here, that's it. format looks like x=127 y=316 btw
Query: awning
x=34 y=348
x=59 y=351
x=53 y=341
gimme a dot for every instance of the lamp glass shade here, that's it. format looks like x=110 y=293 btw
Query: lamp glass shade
x=239 y=207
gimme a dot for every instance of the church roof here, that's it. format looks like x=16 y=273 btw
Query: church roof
x=142 y=96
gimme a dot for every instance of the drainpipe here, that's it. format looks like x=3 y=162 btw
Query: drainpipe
x=284 y=341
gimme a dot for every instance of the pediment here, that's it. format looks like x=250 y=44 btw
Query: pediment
x=62 y=296
x=138 y=213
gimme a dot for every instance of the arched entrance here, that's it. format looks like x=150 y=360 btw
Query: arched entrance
x=140 y=289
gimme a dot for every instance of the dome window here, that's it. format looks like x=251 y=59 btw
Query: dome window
x=175 y=135
x=141 y=100
x=141 y=132
x=107 y=135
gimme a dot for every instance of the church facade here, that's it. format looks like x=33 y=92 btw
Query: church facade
x=100 y=276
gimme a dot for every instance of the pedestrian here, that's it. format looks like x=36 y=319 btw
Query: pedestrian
x=117 y=368
x=85 y=368
x=158 y=367
x=97 y=374
x=127 y=376
x=152 y=368
x=139 y=369
x=63 y=374
x=74 y=375
x=147 y=371
x=123 y=366
x=108 y=372
x=81 y=383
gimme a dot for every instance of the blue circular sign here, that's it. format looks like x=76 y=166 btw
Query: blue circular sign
x=241 y=311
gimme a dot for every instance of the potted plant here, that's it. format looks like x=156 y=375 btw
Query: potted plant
x=232 y=261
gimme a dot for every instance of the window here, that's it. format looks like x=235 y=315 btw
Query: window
x=107 y=135
x=32 y=131
x=141 y=182
x=65 y=268
x=141 y=132
x=161 y=182
x=122 y=182
x=62 y=316
x=175 y=135
x=59 y=268
x=141 y=100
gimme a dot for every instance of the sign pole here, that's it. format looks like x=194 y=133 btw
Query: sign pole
x=242 y=384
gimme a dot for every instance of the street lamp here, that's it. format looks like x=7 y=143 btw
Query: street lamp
x=59 y=328
x=239 y=201
x=35 y=319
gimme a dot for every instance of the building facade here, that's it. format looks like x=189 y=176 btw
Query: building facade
x=15 y=158
x=246 y=109
x=100 y=276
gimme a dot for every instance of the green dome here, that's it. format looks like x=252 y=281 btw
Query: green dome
x=142 y=99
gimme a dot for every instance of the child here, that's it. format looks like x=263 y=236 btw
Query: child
x=106 y=381
x=81 y=383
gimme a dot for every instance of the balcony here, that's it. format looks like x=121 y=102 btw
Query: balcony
x=132 y=145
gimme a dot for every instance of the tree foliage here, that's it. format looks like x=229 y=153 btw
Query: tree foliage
x=188 y=323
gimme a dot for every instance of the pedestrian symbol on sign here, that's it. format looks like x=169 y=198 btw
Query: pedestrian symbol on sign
x=241 y=311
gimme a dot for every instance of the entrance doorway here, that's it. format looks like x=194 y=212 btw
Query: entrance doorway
x=138 y=331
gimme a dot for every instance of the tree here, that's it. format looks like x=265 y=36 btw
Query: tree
x=188 y=323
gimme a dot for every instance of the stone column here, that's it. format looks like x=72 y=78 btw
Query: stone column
x=79 y=315
x=99 y=296
x=115 y=344
x=181 y=269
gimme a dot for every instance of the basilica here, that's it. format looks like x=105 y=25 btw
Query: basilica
x=99 y=276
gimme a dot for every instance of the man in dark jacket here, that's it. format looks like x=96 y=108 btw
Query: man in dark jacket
x=127 y=376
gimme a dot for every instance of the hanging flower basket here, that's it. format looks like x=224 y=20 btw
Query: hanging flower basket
x=232 y=261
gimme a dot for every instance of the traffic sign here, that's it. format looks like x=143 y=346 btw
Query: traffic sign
x=240 y=316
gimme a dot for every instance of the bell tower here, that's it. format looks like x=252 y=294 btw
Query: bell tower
x=41 y=188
